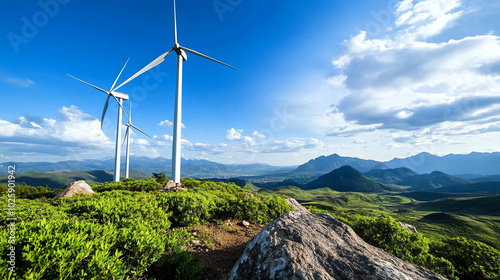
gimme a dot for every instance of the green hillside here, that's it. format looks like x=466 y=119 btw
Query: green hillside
x=488 y=205
x=476 y=218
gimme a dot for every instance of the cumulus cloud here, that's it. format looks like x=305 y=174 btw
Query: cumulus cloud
x=168 y=123
x=58 y=137
x=258 y=135
x=405 y=82
x=234 y=134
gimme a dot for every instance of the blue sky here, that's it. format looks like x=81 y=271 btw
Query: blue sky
x=371 y=79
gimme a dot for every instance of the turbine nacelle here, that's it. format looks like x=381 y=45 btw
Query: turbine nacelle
x=120 y=95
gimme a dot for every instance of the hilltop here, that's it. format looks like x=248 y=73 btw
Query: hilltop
x=346 y=179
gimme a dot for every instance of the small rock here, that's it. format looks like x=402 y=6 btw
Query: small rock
x=194 y=233
x=249 y=195
x=195 y=242
x=409 y=227
x=170 y=184
x=245 y=223
x=77 y=187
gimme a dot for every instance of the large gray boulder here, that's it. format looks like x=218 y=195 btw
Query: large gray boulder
x=302 y=245
x=77 y=187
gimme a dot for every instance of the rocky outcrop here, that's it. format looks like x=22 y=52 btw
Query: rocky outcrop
x=77 y=187
x=171 y=186
x=302 y=245
x=296 y=205
x=409 y=227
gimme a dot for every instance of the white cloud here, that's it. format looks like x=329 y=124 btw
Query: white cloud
x=48 y=136
x=164 y=137
x=249 y=140
x=20 y=82
x=258 y=135
x=234 y=134
x=168 y=123
x=426 y=18
x=403 y=82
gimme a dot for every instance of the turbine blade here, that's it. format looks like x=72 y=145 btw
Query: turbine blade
x=104 y=110
x=140 y=130
x=126 y=135
x=175 y=24
x=98 y=88
x=208 y=57
x=121 y=107
x=152 y=64
x=119 y=75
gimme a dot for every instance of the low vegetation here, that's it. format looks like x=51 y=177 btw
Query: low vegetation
x=129 y=230
x=126 y=230
x=454 y=258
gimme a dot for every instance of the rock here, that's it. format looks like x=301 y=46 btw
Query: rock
x=302 y=245
x=245 y=223
x=170 y=184
x=195 y=242
x=296 y=205
x=409 y=227
x=249 y=195
x=77 y=187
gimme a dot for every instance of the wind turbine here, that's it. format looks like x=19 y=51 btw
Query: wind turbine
x=127 y=137
x=119 y=97
x=181 y=57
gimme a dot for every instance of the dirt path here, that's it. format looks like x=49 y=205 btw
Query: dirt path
x=221 y=245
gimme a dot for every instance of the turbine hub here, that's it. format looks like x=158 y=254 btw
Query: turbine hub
x=181 y=52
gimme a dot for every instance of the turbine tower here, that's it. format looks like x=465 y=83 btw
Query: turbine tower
x=119 y=97
x=181 y=57
x=127 y=137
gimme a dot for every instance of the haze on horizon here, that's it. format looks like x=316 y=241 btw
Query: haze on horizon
x=369 y=80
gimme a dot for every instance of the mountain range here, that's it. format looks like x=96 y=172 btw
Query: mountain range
x=348 y=179
x=420 y=171
x=190 y=167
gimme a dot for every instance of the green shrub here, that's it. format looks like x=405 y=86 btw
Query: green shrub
x=161 y=178
x=29 y=192
x=111 y=235
x=472 y=259
x=128 y=185
x=386 y=233
x=188 y=207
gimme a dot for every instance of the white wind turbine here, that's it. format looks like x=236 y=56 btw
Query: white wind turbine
x=127 y=137
x=119 y=97
x=181 y=57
